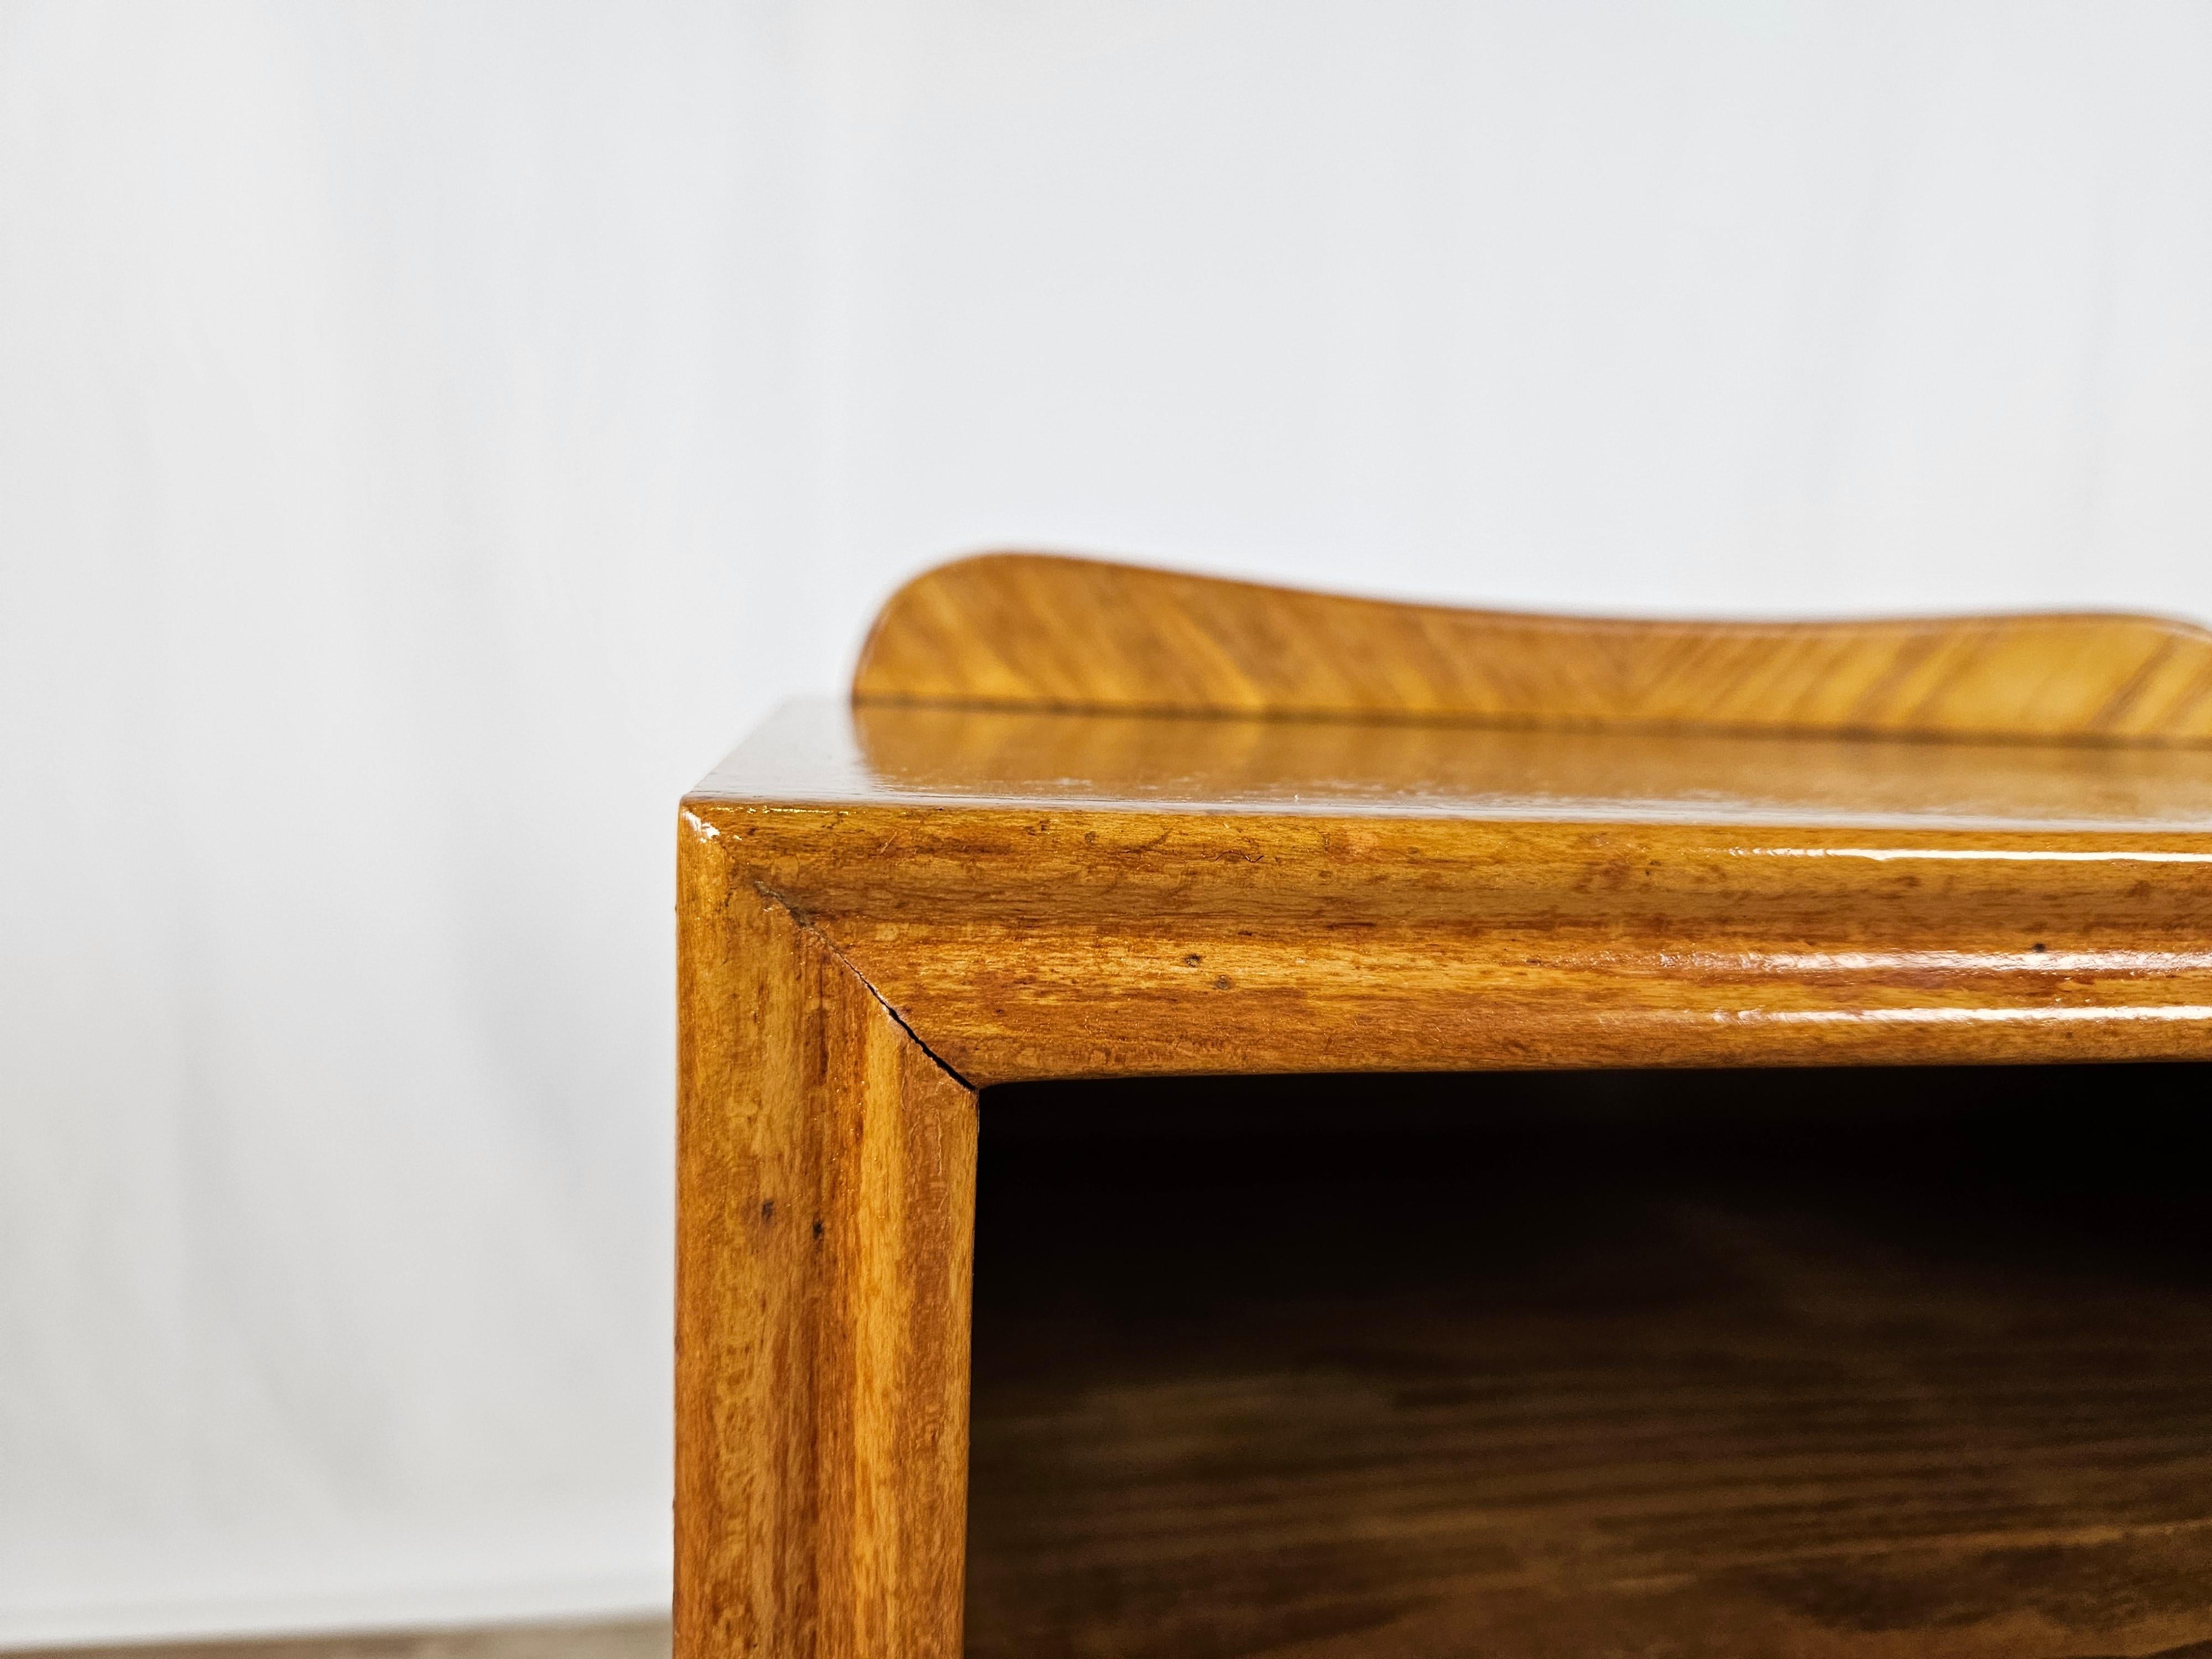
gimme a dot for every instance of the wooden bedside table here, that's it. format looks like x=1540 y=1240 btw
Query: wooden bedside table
x=1088 y=822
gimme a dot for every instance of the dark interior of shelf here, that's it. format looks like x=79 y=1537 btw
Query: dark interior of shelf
x=1856 y=1363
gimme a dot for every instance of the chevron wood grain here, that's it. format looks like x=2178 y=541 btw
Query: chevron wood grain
x=1024 y=630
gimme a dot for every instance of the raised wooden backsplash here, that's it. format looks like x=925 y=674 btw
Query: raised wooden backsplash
x=1027 y=629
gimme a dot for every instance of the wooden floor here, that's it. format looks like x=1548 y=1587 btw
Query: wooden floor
x=1857 y=1366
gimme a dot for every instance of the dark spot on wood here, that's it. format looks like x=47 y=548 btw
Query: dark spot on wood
x=2038 y=946
x=1193 y=960
x=1223 y=983
x=817 y=1226
x=768 y=1209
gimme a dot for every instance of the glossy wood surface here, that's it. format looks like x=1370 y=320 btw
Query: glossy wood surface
x=1030 y=629
x=2008 y=904
x=826 y=1200
x=1600 y=1367
x=822 y=752
x=887 y=906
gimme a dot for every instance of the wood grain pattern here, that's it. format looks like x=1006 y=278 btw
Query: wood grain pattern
x=876 y=919
x=826 y=1190
x=1657 y=1372
x=1030 y=629
x=1084 y=936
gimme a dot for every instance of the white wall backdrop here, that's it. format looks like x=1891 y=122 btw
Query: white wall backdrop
x=429 y=434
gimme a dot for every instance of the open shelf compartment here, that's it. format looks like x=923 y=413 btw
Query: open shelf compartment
x=1806 y=1363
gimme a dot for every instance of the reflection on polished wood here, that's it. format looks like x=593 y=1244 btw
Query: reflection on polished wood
x=1037 y=631
x=1007 y=757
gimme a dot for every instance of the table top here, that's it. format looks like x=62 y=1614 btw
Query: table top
x=1226 y=861
x=1055 y=894
x=897 y=756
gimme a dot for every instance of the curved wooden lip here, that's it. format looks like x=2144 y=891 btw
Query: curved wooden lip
x=1046 y=631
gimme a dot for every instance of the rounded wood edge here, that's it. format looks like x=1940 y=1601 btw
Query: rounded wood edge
x=1035 y=630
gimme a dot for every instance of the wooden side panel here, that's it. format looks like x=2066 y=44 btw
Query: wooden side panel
x=825 y=1217
x=1032 y=630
